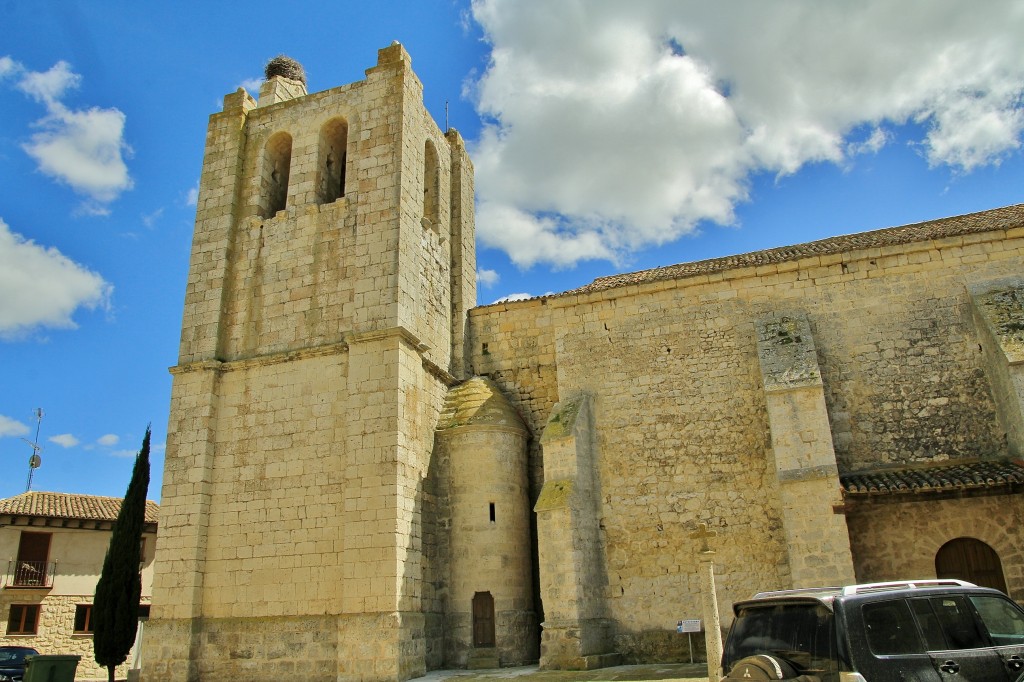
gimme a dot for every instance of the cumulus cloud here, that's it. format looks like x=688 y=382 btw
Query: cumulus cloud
x=514 y=297
x=8 y=426
x=65 y=440
x=82 y=148
x=108 y=440
x=614 y=126
x=487 y=278
x=41 y=287
x=252 y=85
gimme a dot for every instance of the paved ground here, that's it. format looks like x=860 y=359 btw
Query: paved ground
x=695 y=672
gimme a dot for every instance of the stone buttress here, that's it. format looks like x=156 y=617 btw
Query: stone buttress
x=805 y=460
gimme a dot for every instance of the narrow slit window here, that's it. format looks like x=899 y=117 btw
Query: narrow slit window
x=333 y=156
x=277 y=160
x=492 y=512
x=431 y=186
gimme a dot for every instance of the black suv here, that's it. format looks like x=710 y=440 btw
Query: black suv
x=920 y=631
x=12 y=662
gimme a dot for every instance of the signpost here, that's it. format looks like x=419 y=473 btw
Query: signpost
x=689 y=627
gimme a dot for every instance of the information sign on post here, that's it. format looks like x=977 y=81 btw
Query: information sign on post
x=689 y=627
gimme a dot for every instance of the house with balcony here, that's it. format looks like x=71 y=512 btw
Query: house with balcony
x=52 y=547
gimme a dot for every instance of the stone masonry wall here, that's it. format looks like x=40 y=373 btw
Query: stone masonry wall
x=900 y=541
x=56 y=632
x=680 y=411
x=275 y=538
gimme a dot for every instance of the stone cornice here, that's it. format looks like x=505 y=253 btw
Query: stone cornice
x=351 y=338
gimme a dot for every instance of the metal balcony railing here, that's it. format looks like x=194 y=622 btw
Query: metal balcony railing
x=30 y=573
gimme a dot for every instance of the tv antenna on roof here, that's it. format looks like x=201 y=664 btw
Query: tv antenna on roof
x=35 y=460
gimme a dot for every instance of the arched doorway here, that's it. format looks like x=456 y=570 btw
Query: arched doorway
x=971 y=560
x=483 y=619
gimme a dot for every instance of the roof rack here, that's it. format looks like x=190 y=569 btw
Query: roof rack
x=864 y=588
x=801 y=592
x=904 y=584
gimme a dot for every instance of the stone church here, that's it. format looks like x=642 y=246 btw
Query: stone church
x=369 y=477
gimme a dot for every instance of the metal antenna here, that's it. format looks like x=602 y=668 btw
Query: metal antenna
x=446 y=128
x=34 y=461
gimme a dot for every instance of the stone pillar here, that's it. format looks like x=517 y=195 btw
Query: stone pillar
x=999 y=317
x=805 y=461
x=709 y=602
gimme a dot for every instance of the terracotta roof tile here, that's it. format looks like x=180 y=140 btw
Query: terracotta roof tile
x=941 y=478
x=70 y=506
x=985 y=221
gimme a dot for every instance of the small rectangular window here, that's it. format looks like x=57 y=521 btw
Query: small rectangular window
x=23 y=619
x=143 y=611
x=83 y=619
x=492 y=512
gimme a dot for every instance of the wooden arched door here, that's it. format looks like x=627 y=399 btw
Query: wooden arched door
x=483 y=619
x=971 y=560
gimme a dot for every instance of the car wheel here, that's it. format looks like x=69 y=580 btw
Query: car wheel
x=762 y=667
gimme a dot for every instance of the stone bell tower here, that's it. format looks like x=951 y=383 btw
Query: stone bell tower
x=332 y=268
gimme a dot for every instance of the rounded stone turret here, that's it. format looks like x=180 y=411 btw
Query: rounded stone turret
x=490 y=606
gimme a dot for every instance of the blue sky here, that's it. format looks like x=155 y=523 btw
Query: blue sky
x=607 y=137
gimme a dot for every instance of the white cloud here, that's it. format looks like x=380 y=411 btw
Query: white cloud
x=874 y=143
x=47 y=87
x=11 y=427
x=65 y=440
x=252 y=85
x=192 y=197
x=41 y=287
x=8 y=66
x=108 y=440
x=487 y=278
x=150 y=219
x=125 y=453
x=82 y=148
x=514 y=297
x=614 y=126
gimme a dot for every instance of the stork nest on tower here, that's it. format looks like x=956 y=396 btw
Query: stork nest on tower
x=285 y=66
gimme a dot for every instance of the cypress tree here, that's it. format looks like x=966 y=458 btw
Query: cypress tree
x=115 y=609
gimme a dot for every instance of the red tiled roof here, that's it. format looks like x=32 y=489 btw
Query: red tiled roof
x=70 y=506
x=1004 y=218
x=933 y=479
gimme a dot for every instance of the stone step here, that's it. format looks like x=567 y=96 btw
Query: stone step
x=483 y=659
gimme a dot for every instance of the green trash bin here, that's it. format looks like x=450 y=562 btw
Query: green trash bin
x=45 y=668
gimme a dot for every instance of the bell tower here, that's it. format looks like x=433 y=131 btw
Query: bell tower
x=332 y=268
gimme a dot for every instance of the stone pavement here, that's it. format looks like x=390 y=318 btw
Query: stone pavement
x=690 y=672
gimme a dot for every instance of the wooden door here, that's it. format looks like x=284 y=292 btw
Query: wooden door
x=483 y=619
x=971 y=560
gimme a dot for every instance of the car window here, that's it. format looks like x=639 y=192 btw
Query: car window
x=15 y=655
x=890 y=630
x=803 y=634
x=948 y=623
x=1003 y=620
